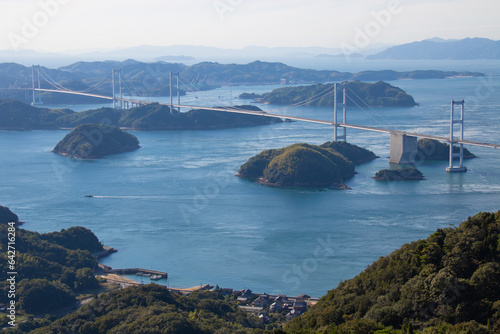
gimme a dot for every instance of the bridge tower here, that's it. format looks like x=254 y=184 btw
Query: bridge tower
x=113 y=79
x=336 y=136
x=37 y=98
x=178 y=92
x=453 y=168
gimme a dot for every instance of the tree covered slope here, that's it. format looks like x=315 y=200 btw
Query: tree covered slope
x=379 y=94
x=447 y=283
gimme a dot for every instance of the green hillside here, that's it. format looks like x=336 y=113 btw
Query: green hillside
x=153 y=309
x=304 y=165
x=15 y=115
x=447 y=283
x=7 y=216
x=94 y=141
x=403 y=174
x=361 y=94
x=51 y=268
x=429 y=149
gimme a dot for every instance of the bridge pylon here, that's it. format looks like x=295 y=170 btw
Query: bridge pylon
x=37 y=98
x=113 y=79
x=460 y=168
x=336 y=136
x=177 y=74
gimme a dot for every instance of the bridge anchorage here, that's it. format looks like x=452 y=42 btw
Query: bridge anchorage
x=403 y=145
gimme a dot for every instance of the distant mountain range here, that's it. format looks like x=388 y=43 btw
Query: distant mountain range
x=152 y=79
x=436 y=48
x=187 y=54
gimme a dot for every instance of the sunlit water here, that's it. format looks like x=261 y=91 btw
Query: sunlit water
x=175 y=205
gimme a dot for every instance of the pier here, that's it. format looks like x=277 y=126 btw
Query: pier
x=135 y=271
x=131 y=271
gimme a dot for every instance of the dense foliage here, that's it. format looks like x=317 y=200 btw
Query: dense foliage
x=403 y=174
x=153 y=309
x=76 y=237
x=15 y=115
x=94 y=141
x=48 y=273
x=158 y=117
x=429 y=149
x=249 y=96
x=361 y=94
x=300 y=165
x=307 y=165
x=447 y=283
x=255 y=166
x=7 y=216
x=356 y=154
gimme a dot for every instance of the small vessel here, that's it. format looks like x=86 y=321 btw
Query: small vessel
x=89 y=195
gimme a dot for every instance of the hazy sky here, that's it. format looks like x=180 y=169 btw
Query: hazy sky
x=59 y=25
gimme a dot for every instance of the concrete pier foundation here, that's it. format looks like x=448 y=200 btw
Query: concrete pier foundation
x=403 y=149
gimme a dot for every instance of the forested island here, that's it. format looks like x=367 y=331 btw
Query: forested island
x=403 y=174
x=429 y=149
x=15 y=115
x=94 y=141
x=305 y=165
x=360 y=94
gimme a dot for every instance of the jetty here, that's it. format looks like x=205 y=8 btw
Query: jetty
x=132 y=271
x=106 y=250
x=136 y=271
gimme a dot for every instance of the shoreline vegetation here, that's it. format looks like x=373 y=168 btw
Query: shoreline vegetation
x=378 y=94
x=17 y=116
x=446 y=283
x=94 y=141
x=430 y=149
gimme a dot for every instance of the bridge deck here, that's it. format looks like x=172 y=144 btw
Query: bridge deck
x=345 y=125
x=295 y=118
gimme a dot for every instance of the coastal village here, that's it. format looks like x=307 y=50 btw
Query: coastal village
x=267 y=307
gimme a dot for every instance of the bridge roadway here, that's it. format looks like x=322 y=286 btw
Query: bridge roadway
x=345 y=125
x=295 y=118
x=88 y=94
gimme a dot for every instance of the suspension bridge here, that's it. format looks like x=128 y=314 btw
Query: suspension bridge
x=403 y=145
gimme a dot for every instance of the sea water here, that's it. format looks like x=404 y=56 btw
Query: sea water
x=176 y=205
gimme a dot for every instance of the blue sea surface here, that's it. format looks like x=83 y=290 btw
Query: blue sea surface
x=176 y=205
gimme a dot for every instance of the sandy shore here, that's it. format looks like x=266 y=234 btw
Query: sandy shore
x=126 y=282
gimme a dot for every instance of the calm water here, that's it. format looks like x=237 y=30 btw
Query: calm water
x=175 y=204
